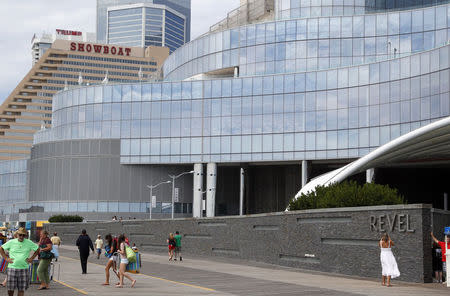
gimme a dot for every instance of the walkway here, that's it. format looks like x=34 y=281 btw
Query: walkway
x=218 y=276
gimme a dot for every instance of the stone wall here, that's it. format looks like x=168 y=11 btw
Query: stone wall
x=343 y=241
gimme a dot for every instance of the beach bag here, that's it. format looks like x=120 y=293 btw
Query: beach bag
x=3 y=265
x=107 y=251
x=131 y=255
x=32 y=271
x=134 y=267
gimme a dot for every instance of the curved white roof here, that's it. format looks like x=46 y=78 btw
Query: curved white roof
x=426 y=144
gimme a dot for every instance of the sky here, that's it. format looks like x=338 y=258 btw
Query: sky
x=19 y=20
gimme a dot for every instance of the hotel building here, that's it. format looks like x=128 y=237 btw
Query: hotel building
x=253 y=112
x=67 y=63
x=40 y=44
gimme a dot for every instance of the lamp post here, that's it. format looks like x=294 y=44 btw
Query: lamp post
x=151 y=194
x=173 y=187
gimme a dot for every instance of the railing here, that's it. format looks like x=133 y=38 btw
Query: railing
x=252 y=11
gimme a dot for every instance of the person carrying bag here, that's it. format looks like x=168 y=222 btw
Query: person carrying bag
x=45 y=256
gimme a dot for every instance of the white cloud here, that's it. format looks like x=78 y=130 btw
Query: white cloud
x=19 y=20
x=206 y=13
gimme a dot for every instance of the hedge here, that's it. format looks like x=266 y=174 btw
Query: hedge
x=65 y=218
x=347 y=194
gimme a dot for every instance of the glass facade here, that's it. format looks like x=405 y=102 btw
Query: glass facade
x=93 y=207
x=13 y=185
x=146 y=25
x=154 y=27
x=312 y=44
x=329 y=114
x=125 y=26
x=174 y=31
x=288 y=9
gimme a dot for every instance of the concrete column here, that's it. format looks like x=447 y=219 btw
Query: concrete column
x=241 y=193
x=304 y=172
x=198 y=191
x=445 y=201
x=370 y=173
x=211 y=171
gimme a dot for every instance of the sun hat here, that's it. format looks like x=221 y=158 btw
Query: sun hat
x=22 y=231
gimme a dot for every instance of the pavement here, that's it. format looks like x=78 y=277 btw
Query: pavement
x=214 y=276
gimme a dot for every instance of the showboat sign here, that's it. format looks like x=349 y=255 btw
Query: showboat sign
x=104 y=49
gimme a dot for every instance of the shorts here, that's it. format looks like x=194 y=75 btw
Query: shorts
x=171 y=247
x=113 y=258
x=177 y=249
x=123 y=261
x=99 y=251
x=18 y=279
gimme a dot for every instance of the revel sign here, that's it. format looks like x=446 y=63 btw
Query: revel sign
x=105 y=49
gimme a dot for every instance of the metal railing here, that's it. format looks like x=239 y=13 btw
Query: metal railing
x=252 y=11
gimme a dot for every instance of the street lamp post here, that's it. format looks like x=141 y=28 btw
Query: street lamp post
x=173 y=187
x=151 y=194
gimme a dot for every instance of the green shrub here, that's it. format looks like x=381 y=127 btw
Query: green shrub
x=65 y=218
x=347 y=194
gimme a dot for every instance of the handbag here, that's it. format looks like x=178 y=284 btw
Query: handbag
x=131 y=255
x=45 y=254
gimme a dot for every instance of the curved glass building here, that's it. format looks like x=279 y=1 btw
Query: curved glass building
x=252 y=112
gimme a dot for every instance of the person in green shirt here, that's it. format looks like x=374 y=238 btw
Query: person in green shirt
x=178 y=245
x=19 y=251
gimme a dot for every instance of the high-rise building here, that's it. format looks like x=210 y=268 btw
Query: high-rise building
x=40 y=44
x=66 y=63
x=182 y=7
x=146 y=24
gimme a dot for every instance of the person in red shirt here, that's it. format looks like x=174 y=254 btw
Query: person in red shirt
x=442 y=245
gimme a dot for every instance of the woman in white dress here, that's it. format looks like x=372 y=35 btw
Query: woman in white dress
x=389 y=268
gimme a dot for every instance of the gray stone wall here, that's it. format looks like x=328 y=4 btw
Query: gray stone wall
x=343 y=241
x=440 y=219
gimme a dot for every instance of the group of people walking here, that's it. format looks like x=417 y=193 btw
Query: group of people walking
x=117 y=247
x=174 y=245
x=115 y=251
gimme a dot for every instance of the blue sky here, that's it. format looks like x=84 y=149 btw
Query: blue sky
x=19 y=20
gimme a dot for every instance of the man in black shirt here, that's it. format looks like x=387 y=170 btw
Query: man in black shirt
x=84 y=243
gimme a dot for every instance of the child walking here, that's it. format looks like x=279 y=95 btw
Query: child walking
x=171 y=244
